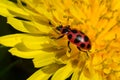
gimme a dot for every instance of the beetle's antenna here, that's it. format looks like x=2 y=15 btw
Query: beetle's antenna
x=52 y=26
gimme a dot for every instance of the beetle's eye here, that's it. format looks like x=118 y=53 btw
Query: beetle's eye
x=65 y=31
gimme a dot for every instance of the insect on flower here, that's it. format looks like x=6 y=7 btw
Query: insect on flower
x=76 y=37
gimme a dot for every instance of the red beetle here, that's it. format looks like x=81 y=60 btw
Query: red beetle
x=76 y=37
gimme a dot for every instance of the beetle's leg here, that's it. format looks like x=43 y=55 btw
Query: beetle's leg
x=79 y=48
x=87 y=54
x=57 y=37
x=60 y=37
x=83 y=51
x=69 y=46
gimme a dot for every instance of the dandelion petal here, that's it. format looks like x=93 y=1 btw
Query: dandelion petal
x=63 y=72
x=11 y=40
x=39 y=75
x=44 y=59
x=21 y=52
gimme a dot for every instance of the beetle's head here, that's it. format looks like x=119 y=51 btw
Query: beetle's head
x=63 y=30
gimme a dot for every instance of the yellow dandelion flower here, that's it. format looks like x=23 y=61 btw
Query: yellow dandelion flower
x=38 y=19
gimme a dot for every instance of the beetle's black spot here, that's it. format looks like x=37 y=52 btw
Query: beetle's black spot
x=77 y=39
x=69 y=36
x=64 y=31
x=86 y=38
x=82 y=45
x=74 y=31
x=88 y=46
x=79 y=36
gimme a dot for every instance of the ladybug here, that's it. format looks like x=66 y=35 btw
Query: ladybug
x=76 y=37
